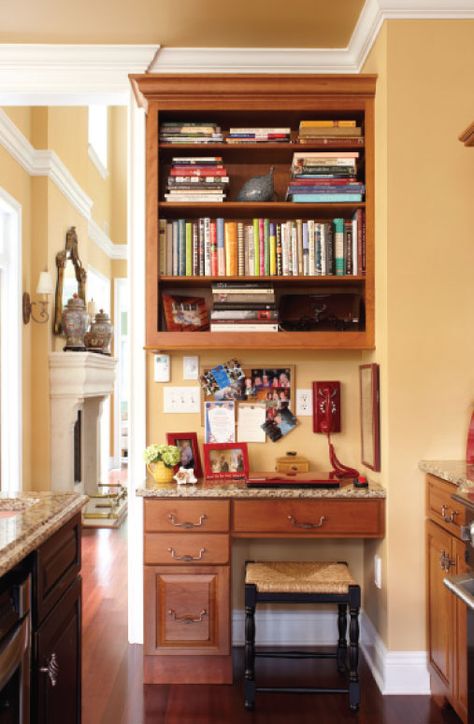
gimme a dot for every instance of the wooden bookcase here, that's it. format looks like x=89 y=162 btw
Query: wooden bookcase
x=253 y=100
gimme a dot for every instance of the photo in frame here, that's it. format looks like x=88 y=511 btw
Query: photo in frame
x=185 y=314
x=370 y=415
x=189 y=449
x=226 y=461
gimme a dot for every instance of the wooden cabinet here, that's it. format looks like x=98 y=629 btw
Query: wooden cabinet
x=255 y=101
x=446 y=615
x=187 y=591
x=56 y=660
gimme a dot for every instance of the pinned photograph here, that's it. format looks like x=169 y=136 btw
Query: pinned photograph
x=279 y=423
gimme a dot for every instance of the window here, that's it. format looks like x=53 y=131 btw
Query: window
x=98 y=137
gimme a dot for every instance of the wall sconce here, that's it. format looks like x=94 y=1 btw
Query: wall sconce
x=45 y=287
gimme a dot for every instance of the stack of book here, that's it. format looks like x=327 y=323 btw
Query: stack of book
x=190 y=132
x=325 y=177
x=331 y=133
x=197 y=178
x=243 y=307
x=259 y=135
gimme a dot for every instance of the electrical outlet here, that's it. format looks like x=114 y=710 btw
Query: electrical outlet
x=378 y=571
x=181 y=399
x=304 y=402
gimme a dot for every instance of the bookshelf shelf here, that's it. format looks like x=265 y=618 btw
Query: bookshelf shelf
x=254 y=101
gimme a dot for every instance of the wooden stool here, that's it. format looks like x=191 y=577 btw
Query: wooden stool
x=295 y=582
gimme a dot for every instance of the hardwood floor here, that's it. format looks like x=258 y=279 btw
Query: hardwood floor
x=113 y=692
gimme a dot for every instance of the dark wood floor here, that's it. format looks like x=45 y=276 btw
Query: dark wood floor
x=113 y=692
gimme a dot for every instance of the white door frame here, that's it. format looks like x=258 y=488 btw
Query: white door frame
x=11 y=368
x=120 y=289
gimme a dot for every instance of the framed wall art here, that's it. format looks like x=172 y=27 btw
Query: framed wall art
x=370 y=415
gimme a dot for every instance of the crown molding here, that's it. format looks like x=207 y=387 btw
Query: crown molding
x=99 y=237
x=43 y=74
x=47 y=163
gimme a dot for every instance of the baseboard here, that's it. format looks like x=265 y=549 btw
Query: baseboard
x=395 y=672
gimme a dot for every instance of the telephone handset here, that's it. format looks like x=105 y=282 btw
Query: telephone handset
x=328 y=404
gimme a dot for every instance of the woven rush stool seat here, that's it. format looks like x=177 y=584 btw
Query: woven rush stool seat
x=304 y=582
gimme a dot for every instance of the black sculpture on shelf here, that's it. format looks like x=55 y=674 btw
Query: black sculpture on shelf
x=258 y=188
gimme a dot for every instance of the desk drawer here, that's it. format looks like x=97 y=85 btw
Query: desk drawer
x=184 y=549
x=191 y=516
x=441 y=508
x=325 y=518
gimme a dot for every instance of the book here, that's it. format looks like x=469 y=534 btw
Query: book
x=333 y=141
x=220 y=247
x=242 y=314
x=162 y=247
x=338 y=225
x=240 y=249
x=195 y=236
x=243 y=299
x=207 y=247
x=273 y=261
x=188 y=249
x=214 y=268
x=238 y=287
x=317 y=132
x=230 y=245
x=325 y=198
x=246 y=327
x=190 y=171
x=325 y=123
x=246 y=305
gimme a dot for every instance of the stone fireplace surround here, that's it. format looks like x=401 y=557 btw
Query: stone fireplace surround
x=78 y=381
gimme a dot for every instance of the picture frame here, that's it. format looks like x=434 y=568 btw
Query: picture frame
x=188 y=444
x=370 y=415
x=185 y=314
x=226 y=461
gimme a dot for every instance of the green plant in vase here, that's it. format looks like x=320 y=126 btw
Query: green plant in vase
x=161 y=460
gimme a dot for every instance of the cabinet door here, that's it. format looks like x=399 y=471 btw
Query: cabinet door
x=440 y=605
x=186 y=610
x=460 y=637
x=57 y=662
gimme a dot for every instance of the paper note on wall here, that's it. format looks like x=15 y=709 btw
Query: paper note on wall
x=251 y=419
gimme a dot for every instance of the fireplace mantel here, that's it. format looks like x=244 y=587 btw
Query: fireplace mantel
x=77 y=381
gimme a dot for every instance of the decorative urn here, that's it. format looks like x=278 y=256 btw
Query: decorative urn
x=74 y=323
x=99 y=337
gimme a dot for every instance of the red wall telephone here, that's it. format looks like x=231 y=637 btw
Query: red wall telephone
x=327 y=419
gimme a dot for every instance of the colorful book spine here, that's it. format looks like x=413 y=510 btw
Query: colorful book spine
x=266 y=241
x=285 y=250
x=202 y=263
x=220 y=247
x=162 y=247
x=256 y=246
x=230 y=237
x=329 y=249
x=273 y=264
x=279 y=259
x=299 y=243
x=207 y=247
x=213 y=231
x=261 y=251
x=311 y=248
x=306 y=271
x=240 y=249
x=169 y=248
x=195 y=235
x=189 y=248
x=251 y=251
x=181 y=247
x=325 y=198
x=348 y=247
x=294 y=250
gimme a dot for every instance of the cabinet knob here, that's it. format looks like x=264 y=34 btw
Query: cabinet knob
x=445 y=561
x=188 y=618
x=448 y=518
x=187 y=557
x=186 y=524
x=52 y=669
x=306 y=526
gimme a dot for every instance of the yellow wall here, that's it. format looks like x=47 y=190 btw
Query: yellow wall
x=47 y=214
x=425 y=258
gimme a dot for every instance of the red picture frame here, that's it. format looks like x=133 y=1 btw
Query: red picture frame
x=177 y=438
x=226 y=461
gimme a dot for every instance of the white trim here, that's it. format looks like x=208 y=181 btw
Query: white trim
x=120 y=288
x=11 y=347
x=99 y=237
x=91 y=152
x=137 y=366
x=47 y=163
x=64 y=74
x=395 y=672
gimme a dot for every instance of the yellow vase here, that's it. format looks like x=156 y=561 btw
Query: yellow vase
x=160 y=473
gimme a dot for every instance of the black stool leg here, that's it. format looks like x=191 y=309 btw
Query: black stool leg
x=249 y=676
x=342 y=642
x=354 y=685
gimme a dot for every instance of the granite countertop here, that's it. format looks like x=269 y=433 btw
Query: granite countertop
x=238 y=489
x=28 y=519
x=453 y=471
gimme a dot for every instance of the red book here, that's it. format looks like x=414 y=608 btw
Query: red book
x=197 y=171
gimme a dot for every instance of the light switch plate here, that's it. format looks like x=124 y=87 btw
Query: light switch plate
x=304 y=402
x=181 y=399
x=162 y=368
x=191 y=368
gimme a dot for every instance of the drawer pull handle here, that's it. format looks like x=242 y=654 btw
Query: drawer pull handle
x=187 y=524
x=188 y=618
x=307 y=526
x=448 y=518
x=187 y=557
x=445 y=561
x=52 y=669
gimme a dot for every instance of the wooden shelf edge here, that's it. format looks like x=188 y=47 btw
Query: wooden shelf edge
x=265 y=340
x=325 y=279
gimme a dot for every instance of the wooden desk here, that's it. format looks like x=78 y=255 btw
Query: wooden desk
x=188 y=534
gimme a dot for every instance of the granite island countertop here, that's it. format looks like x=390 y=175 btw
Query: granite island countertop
x=28 y=519
x=458 y=472
x=238 y=489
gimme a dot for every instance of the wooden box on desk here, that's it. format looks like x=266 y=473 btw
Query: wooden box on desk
x=292 y=464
